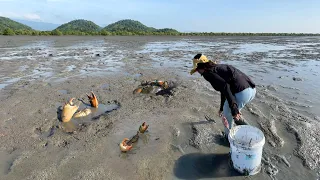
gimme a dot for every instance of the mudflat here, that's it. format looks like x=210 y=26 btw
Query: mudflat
x=39 y=74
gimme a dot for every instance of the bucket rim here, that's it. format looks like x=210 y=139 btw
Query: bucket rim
x=232 y=139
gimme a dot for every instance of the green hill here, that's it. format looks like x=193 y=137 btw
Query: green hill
x=79 y=25
x=129 y=26
x=7 y=25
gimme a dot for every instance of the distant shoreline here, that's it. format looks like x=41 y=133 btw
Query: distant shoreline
x=50 y=33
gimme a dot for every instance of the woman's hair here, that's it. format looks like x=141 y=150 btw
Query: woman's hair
x=207 y=65
x=197 y=56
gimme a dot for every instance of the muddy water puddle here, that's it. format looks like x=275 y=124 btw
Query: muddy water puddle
x=8 y=82
x=257 y=47
x=63 y=91
x=76 y=124
x=7 y=160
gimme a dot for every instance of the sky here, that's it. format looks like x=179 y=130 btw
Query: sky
x=184 y=15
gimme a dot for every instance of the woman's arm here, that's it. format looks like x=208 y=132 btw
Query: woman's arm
x=219 y=84
x=222 y=100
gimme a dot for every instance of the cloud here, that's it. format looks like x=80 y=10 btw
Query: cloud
x=32 y=16
x=9 y=14
x=27 y=16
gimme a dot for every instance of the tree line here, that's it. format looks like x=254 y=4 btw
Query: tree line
x=57 y=32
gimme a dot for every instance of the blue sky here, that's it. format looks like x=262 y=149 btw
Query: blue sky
x=183 y=15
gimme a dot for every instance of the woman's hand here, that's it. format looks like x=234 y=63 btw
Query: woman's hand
x=225 y=122
x=237 y=116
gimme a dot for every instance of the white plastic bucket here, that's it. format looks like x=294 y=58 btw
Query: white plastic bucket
x=246 y=145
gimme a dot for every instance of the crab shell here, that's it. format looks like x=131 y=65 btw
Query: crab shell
x=68 y=110
x=143 y=127
x=165 y=85
x=82 y=113
x=160 y=83
x=93 y=100
x=137 y=91
x=123 y=145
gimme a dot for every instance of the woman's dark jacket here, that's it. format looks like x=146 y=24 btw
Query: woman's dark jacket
x=229 y=81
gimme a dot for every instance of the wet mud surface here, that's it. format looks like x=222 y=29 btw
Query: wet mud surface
x=184 y=138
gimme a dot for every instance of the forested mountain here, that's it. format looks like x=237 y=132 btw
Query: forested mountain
x=8 y=26
x=79 y=25
x=129 y=26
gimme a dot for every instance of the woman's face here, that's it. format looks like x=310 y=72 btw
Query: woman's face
x=201 y=71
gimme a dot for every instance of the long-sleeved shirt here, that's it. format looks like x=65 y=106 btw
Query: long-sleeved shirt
x=229 y=81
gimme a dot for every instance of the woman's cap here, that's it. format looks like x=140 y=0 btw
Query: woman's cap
x=199 y=58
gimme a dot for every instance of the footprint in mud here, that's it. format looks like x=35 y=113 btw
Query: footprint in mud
x=68 y=157
x=269 y=167
x=197 y=136
x=42 y=133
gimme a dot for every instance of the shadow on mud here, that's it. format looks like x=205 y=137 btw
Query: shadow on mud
x=166 y=92
x=198 y=165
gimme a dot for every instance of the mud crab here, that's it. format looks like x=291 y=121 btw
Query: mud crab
x=68 y=110
x=126 y=144
x=93 y=100
x=162 y=84
x=143 y=127
x=151 y=87
x=124 y=147
x=82 y=113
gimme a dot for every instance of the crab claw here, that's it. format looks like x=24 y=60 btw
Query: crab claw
x=68 y=110
x=143 y=127
x=82 y=113
x=123 y=145
x=93 y=100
